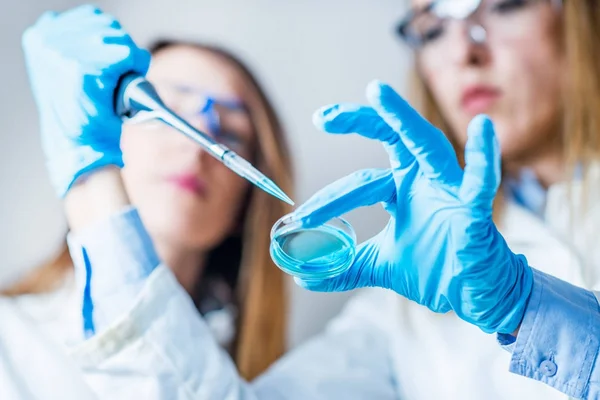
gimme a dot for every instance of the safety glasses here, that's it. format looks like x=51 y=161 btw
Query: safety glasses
x=226 y=119
x=428 y=25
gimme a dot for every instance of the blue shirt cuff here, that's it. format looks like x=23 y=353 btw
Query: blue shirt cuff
x=558 y=341
x=112 y=260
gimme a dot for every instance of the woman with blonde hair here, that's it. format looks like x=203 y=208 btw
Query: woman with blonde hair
x=532 y=66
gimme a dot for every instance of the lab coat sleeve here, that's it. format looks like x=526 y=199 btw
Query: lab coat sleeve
x=145 y=338
x=157 y=346
x=112 y=260
x=559 y=339
x=159 y=349
x=351 y=359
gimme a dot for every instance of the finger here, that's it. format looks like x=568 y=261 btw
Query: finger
x=110 y=47
x=80 y=12
x=358 y=275
x=46 y=17
x=30 y=36
x=141 y=61
x=83 y=20
x=426 y=143
x=133 y=58
x=360 y=189
x=482 y=172
x=352 y=118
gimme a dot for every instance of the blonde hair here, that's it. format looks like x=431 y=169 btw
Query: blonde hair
x=261 y=335
x=581 y=108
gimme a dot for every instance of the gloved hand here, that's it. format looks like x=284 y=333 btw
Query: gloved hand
x=74 y=61
x=440 y=247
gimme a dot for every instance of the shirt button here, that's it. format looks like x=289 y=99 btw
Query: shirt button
x=548 y=368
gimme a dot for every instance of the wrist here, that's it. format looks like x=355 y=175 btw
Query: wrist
x=526 y=287
x=506 y=306
x=516 y=332
x=75 y=165
x=95 y=197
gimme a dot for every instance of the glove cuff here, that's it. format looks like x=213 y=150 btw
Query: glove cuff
x=515 y=300
x=83 y=166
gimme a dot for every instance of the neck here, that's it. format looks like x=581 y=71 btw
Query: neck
x=187 y=265
x=548 y=166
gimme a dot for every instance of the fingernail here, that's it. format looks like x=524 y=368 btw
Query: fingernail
x=294 y=217
x=288 y=219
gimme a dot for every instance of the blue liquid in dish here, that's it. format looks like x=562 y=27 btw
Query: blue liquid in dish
x=317 y=253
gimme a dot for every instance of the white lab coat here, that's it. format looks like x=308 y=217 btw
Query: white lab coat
x=380 y=347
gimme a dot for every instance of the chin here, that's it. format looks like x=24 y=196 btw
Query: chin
x=510 y=140
x=177 y=227
x=190 y=237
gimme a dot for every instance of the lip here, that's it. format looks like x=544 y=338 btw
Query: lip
x=189 y=183
x=479 y=98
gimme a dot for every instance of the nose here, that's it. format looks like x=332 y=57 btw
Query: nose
x=469 y=45
x=188 y=146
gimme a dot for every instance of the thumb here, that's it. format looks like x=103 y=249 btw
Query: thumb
x=359 y=189
x=358 y=275
x=482 y=171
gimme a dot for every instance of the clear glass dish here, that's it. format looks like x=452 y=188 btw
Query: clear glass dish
x=318 y=252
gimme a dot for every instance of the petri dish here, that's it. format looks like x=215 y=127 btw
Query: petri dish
x=319 y=252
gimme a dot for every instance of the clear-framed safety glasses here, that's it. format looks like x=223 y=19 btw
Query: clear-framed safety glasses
x=427 y=26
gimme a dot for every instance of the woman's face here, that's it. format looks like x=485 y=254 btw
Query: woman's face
x=515 y=76
x=186 y=197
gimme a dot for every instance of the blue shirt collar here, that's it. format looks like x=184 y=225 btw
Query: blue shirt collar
x=526 y=190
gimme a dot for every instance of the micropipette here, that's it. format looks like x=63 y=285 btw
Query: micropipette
x=134 y=94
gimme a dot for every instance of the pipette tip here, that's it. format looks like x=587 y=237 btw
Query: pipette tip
x=281 y=195
x=274 y=190
x=287 y=200
x=249 y=172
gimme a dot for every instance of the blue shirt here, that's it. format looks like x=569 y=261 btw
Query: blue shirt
x=527 y=191
x=558 y=342
x=559 y=339
x=561 y=327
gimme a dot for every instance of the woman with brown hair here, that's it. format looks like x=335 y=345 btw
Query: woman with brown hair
x=209 y=225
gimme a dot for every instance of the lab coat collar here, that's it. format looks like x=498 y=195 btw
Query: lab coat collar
x=559 y=242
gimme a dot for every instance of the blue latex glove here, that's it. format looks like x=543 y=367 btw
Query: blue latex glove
x=440 y=247
x=74 y=61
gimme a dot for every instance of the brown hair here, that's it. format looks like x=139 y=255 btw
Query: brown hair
x=581 y=110
x=260 y=285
